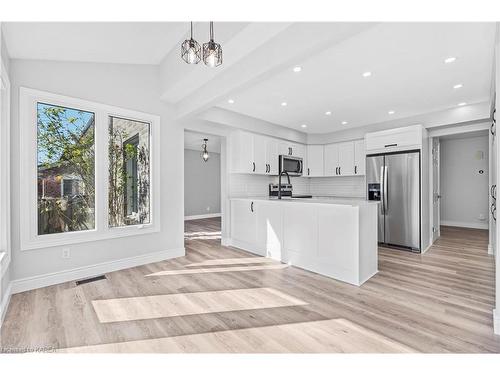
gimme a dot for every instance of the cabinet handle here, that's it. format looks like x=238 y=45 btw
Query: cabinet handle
x=308 y=171
x=355 y=169
x=268 y=168
x=340 y=172
x=493 y=129
x=253 y=169
x=251 y=206
x=337 y=171
x=391 y=145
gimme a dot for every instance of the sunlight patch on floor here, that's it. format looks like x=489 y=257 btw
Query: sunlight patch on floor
x=169 y=305
x=217 y=262
x=324 y=336
x=279 y=266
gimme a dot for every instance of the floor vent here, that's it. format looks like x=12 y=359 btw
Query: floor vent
x=90 y=280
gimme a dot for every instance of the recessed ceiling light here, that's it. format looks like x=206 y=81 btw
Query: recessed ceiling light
x=284 y=104
x=328 y=113
x=230 y=101
x=391 y=112
x=297 y=69
x=458 y=86
x=367 y=74
x=344 y=122
x=449 y=60
x=303 y=126
x=462 y=104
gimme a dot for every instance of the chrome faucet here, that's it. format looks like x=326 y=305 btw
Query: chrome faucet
x=279 y=182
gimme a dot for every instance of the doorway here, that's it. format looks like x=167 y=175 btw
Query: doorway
x=202 y=187
x=460 y=182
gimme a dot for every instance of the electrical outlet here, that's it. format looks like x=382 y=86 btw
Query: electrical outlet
x=66 y=253
x=208 y=209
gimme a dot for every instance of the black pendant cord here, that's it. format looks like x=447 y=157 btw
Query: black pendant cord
x=211 y=31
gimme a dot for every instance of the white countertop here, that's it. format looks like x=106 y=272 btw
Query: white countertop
x=317 y=200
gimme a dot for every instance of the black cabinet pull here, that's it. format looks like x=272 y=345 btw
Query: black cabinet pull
x=251 y=206
x=340 y=172
x=253 y=163
x=355 y=169
x=493 y=129
x=337 y=171
x=308 y=171
x=391 y=145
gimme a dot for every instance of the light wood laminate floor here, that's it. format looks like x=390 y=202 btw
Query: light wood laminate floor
x=438 y=302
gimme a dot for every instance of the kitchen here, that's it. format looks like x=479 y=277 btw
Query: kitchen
x=333 y=236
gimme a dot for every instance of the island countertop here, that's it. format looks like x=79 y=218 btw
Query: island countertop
x=317 y=200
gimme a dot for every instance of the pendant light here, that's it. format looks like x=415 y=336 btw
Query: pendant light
x=204 y=155
x=191 y=50
x=212 y=52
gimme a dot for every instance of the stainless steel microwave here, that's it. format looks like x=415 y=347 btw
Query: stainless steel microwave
x=291 y=164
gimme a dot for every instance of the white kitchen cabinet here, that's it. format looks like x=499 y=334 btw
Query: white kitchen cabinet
x=272 y=156
x=359 y=158
x=346 y=159
x=243 y=221
x=260 y=153
x=242 y=152
x=269 y=229
x=291 y=149
x=335 y=239
x=332 y=159
x=315 y=161
x=398 y=139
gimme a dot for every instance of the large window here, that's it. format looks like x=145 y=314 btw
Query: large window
x=89 y=171
x=129 y=180
x=66 y=173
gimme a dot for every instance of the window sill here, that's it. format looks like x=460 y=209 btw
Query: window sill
x=54 y=240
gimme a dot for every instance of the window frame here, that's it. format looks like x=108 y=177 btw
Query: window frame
x=5 y=227
x=30 y=239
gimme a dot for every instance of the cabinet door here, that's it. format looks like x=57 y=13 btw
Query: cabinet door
x=272 y=156
x=331 y=159
x=298 y=150
x=269 y=229
x=284 y=148
x=243 y=221
x=359 y=157
x=315 y=162
x=242 y=152
x=259 y=154
x=346 y=158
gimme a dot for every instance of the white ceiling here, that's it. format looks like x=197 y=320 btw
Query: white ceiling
x=193 y=141
x=409 y=76
x=103 y=42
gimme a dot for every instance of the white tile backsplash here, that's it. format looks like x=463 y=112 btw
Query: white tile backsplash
x=242 y=185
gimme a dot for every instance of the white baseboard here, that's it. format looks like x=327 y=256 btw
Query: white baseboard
x=54 y=278
x=462 y=224
x=4 y=303
x=205 y=216
x=496 y=321
x=225 y=241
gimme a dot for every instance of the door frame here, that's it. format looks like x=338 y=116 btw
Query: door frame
x=435 y=186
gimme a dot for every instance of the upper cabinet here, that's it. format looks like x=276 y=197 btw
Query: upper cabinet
x=259 y=154
x=332 y=159
x=315 y=164
x=254 y=153
x=399 y=139
x=359 y=157
x=292 y=149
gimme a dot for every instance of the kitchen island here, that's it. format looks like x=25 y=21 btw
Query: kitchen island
x=333 y=237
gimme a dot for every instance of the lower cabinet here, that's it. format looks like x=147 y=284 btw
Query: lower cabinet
x=243 y=221
x=335 y=240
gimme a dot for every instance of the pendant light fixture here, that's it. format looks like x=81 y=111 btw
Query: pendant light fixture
x=191 y=50
x=212 y=52
x=204 y=155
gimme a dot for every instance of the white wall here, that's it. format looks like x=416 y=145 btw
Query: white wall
x=202 y=184
x=133 y=87
x=464 y=191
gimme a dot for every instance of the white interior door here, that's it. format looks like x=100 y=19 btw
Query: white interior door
x=436 y=196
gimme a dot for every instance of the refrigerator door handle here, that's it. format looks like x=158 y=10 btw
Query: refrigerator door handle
x=382 y=190
x=386 y=200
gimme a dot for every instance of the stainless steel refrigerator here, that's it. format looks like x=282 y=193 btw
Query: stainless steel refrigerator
x=394 y=180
